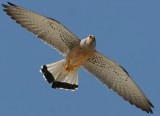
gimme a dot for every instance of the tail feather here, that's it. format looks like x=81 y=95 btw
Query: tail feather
x=47 y=75
x=56 y=73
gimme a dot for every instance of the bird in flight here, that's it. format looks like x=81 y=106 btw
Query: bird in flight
x=77 y=53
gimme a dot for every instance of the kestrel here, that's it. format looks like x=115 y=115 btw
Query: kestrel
x=78 y=53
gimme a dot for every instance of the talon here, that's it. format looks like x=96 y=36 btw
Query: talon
x=69 y=68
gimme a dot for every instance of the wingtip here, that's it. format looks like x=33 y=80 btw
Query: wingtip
x=150 y=111
x=11 y=4
x=150 y=104
x=3 y=5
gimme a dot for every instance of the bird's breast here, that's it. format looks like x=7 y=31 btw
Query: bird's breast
x=77 y=57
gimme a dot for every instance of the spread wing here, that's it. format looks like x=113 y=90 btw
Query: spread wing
x=49 y=30
x=117 y=79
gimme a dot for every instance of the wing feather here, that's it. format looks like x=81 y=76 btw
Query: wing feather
x=117 y=79
x=47 y=29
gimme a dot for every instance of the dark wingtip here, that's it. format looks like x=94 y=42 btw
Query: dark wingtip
x=11 y=4
x=6 y=6
x=3 y=5
x=48 y=76
x=64 y=85
x=5 y=10
x=150 y=104
x=151 y=111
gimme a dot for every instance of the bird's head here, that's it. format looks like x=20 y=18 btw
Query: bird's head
x=89 y=42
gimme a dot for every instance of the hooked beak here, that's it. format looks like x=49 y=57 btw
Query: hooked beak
x=90 y=38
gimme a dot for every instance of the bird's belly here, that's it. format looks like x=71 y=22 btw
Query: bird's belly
x=77 y=58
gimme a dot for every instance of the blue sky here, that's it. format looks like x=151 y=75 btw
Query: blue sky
x=127 y=31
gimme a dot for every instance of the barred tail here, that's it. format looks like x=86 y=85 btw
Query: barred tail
x=56 y=73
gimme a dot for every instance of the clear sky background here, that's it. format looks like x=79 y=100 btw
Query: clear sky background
x=128 y=31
